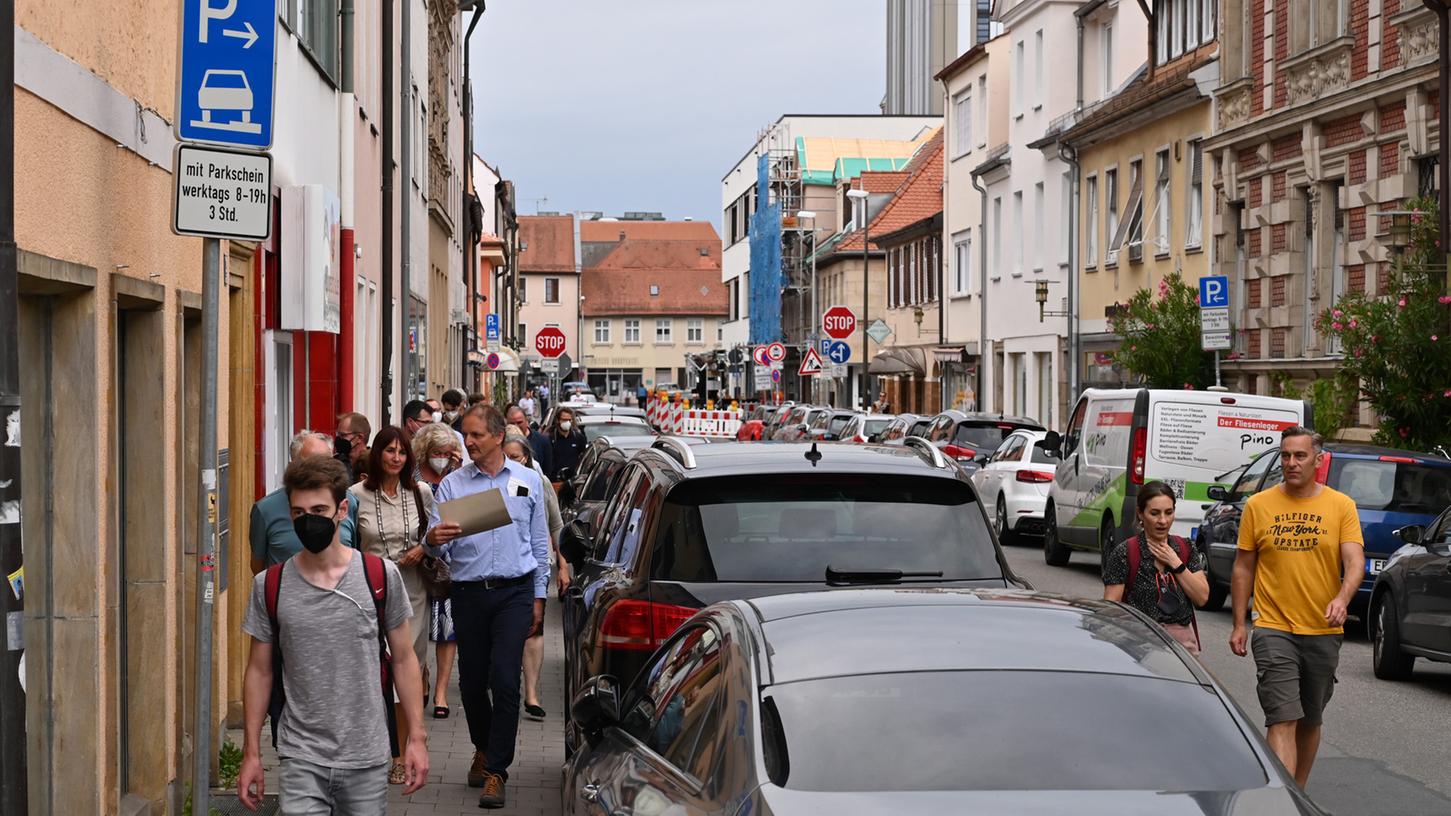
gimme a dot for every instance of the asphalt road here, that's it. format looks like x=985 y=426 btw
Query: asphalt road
x=1386 y=749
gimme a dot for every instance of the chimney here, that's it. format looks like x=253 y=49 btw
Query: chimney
x=622 y=235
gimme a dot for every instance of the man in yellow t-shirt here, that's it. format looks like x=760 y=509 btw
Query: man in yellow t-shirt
x=1302 y=555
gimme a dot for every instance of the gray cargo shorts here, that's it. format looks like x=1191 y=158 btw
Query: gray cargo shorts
x=1295 y=674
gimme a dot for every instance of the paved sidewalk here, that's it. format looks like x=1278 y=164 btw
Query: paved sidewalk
x=534 y=779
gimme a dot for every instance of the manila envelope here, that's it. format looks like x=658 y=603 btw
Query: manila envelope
x=477 y=513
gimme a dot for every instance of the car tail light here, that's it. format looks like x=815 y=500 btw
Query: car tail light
x=964 y=454
x=1141 y=446
x=640 y=626
x=1035 y=476
x=1322 y=473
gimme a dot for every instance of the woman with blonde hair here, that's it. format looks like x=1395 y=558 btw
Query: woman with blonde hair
x=437 y=452
x=516 y=447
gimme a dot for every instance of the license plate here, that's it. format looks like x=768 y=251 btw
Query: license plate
x=1374 y=566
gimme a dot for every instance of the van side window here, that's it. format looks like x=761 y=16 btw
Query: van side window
x=1075 y=428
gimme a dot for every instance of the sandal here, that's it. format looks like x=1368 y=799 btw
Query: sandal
x=397 y=774
x=440 y=712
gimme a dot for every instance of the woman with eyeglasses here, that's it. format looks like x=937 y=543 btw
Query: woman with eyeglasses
x=516 y=447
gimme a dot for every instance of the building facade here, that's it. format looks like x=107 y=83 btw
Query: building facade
x=1326 y=113
x=548 y=282
x=652 y=297
x=1143 y=186
x=921 y=39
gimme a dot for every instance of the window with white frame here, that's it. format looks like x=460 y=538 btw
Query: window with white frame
x=1020 y=77
x=1161 y=201
x=1065 y=216
x=1184 y=25
x=1106 y=53
x=998 y=233
x=1038 y=69
x=632 y=331
x=695 y=330
x=962 y=262
x=664 y=330
x=1194 y=207
x=1038 y=225
x=962 y=123
x=602 y=332
x=551 y=290
x=1018 y=227
x=982 y=111
x=1090 y=226
x=1110 y=221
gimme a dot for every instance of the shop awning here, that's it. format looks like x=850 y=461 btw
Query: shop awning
x=945 y=354
x=899 y=361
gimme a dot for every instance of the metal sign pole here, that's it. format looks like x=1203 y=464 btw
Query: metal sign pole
x=202 y=748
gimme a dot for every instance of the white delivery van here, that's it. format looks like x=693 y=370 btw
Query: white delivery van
x=1119 y=439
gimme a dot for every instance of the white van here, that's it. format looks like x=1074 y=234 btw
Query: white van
x=1119 y=439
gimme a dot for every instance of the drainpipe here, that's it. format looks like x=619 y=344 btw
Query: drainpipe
x=385 y=263
x=466 y=212
x=1070 y=157
x=405 y=209
x=1079 y=106
x=982 y=351
x=346 y=284
x=1153 y=36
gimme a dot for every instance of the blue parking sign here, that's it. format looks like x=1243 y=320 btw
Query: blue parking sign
x=227 y=71
x=1214 y=292
x=491 y=327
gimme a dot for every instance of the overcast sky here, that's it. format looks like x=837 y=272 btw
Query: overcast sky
x=618 y=105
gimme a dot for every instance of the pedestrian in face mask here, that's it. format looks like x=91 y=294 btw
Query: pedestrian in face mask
x=539 y=445
x=438 y=453
x=324 y=609
x=567 y=443
x=393 y=512
x=453 y=405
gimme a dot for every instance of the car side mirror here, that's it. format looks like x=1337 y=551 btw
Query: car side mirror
x=1411 y=533
x=596 y=706
x=980 y=459
x=564 y=474
x=1051 y=442
x=1218 y=493
x=574 y=542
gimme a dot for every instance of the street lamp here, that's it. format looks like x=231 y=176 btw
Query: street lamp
x=861 y=197
x=1399 y=236
x=1040 y=295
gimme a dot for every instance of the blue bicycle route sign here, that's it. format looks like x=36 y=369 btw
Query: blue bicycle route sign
x=226 y=79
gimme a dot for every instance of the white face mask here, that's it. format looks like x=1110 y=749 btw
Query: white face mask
x=437 y=417
x=439 y=464
x=566 y=425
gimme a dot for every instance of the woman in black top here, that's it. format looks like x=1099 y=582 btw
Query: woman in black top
x=1165 y=586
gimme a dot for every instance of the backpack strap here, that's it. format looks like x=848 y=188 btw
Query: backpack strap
x=422 y=521
x=377 y=579
x=271 y=588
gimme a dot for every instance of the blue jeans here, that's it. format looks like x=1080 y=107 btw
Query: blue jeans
x=315 y=790
x=491 y=626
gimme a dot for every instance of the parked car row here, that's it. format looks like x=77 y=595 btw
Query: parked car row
x=745 y=617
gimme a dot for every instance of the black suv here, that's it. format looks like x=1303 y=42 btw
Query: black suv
x=687 y=526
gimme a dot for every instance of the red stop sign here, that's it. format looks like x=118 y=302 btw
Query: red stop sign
x=838 y=322
x=549 y=342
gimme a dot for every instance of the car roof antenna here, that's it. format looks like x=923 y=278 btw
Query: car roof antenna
x=813 y=456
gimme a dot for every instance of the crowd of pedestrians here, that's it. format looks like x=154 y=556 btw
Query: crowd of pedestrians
x=356 y=574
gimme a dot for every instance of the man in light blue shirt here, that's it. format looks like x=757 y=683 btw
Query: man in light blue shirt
x=500 y=580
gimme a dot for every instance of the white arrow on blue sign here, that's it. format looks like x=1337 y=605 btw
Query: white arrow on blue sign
x=839 y=352
x=226 y=79
x=1214 y=292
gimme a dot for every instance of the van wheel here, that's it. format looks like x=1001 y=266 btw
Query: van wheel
x=1387 y=658
x=1106 y=543
x=1055 y=553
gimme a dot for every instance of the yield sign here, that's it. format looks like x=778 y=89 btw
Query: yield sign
x=810 y=363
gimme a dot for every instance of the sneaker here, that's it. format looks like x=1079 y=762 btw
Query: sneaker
x=493 y=795
x=535 y=712
x=477 y=773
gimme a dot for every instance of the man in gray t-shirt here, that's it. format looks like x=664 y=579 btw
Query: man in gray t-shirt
x=333 y=734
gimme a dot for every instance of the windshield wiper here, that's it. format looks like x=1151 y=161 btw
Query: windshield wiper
x=871 y=576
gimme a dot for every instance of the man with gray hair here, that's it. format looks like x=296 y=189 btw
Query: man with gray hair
x=272 y=537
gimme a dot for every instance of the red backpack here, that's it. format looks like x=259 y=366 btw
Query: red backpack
x=1182 y=546
x=377 y=579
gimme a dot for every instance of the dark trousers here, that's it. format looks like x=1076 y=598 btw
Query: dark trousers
x=491 y=626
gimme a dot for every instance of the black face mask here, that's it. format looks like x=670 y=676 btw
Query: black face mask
x=315 y=532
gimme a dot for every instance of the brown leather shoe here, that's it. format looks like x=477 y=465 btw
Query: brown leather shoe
x=493 y=795
x=476 y=771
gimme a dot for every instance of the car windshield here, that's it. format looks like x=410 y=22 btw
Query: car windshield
x=1393 y=487
x=967 y=731
x=837 y=423
x=985 y=436
x=791 y=527
x=595 y=430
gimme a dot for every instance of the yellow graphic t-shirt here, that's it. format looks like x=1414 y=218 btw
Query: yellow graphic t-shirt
x=1299 y=565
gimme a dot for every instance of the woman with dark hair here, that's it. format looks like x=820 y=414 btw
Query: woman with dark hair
x=1156 y=572
x=393 y=513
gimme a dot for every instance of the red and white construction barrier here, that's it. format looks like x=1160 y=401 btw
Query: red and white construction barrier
x=674 y=416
